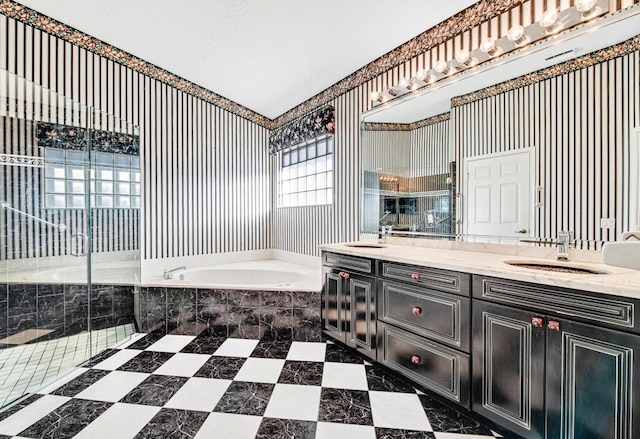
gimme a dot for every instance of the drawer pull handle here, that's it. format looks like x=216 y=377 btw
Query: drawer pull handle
x=417 y=310
x=344 y=275
x=553 y=325
x=537 y=322
x=415 y=276
x=415 y=359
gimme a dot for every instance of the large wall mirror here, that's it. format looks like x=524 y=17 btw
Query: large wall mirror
x=538 y=141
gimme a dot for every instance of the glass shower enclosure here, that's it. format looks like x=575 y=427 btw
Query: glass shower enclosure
x=69 y=234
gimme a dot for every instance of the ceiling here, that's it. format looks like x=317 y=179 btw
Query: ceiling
x=268 y=56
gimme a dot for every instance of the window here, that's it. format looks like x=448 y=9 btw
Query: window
x=306 y=174
x=115 y=180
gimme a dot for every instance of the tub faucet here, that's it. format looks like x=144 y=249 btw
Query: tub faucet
x=168 y=274
x=565 y=240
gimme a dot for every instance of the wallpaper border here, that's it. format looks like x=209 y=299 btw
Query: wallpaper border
x=382 y=126
x=464 y=20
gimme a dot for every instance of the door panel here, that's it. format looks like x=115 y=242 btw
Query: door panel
x=508 y=368
x=332 y=305
x=590 y=382
x=361 y=307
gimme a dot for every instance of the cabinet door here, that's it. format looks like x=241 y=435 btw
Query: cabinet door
x=332 y=305
x=592 y=382
x=508 y=368
x=361 y=314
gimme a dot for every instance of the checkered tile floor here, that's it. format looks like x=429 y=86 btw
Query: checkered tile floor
x=178 y=386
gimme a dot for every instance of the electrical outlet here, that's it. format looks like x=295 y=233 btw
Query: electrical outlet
x=607 y=223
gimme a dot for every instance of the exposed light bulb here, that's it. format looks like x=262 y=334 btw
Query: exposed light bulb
x=488 y=46
x=517 y=35
x=464 y=57
x=422 y=74
x=443 y=67
x=375 y=96
x=392 y=91
x=589 y=8
x=549 y=21
x=406 y=83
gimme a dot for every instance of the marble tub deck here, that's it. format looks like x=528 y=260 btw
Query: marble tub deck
x=180 y=386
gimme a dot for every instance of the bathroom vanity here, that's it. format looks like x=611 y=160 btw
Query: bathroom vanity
x=539 y=353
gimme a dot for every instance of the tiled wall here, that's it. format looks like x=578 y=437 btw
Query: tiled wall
x=234 y=313
x=63 y=308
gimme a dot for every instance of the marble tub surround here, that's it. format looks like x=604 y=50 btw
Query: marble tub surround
x=293 y=315
x=105 y=399
x=617 y=281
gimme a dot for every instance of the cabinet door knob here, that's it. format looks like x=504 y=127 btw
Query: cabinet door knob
x=415 y=359
x=553 y=325
x=415 y=276
x=537 y=322
x=346 y=276
x=417 y=310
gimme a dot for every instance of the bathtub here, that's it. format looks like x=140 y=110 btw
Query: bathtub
x=270 y=274
x=125 y=272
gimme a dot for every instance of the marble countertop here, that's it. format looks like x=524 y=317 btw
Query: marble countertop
x=616 y=281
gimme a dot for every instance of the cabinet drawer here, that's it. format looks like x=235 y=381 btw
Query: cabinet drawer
x=345 y=262
x=621 y=312
x=442 y=280
x=432 y=365
x=441 y=316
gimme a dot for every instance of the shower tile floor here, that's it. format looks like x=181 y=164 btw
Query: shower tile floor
x=25 y=368
x=178 y=386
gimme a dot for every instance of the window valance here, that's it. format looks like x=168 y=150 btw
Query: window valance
x=309 y=126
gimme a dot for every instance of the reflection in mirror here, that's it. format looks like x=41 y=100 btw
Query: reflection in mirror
x=570 y=101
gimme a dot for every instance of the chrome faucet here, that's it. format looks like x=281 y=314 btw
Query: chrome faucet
x=168 y=274
x=565 y=240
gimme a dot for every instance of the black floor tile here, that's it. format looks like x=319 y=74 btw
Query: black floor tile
x=221 y=368
x=345 y=407
x=271 y=428
x=67 y=420
x=448 y=420
x=146 y=362
x=380 y=380
x=78 y=384
x=277 y=349
x=155 y=390
x=338 y=354
x=173 y=424
x=392 y=433
x=301 y=372
x=204 y=345
x=245 y=398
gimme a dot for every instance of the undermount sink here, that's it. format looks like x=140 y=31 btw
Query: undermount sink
x=364 y=245
x=557 y=267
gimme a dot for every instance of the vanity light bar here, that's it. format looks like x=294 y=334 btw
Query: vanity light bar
x=549 y=23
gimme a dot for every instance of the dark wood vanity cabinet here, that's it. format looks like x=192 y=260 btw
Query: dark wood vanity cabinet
x=424 y=327
x=349 y=302
x=546 y=376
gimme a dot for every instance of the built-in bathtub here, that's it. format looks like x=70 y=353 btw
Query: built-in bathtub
x=271 y=274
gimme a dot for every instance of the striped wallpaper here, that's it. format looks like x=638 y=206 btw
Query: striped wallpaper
x=580 y=124
x=205 y=181
x=207 y=175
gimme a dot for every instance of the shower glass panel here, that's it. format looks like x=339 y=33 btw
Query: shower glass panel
x=64 y=296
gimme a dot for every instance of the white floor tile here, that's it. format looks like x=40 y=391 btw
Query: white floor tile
x=117 y=359
x=398 y=410
x=229 y=426
x=344 y=376
x=64 y=380
x=261 y=370
x=182 y=365
x=199 y=394
x=460 y=436
x=113 y=387
x=171 y=343
x=304 y=351
x=326 y=430
x=289 y=401
x=32 y=413
x=123 y=421
x=236 y=347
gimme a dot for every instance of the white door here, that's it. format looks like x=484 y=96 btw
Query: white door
x=499 y=195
